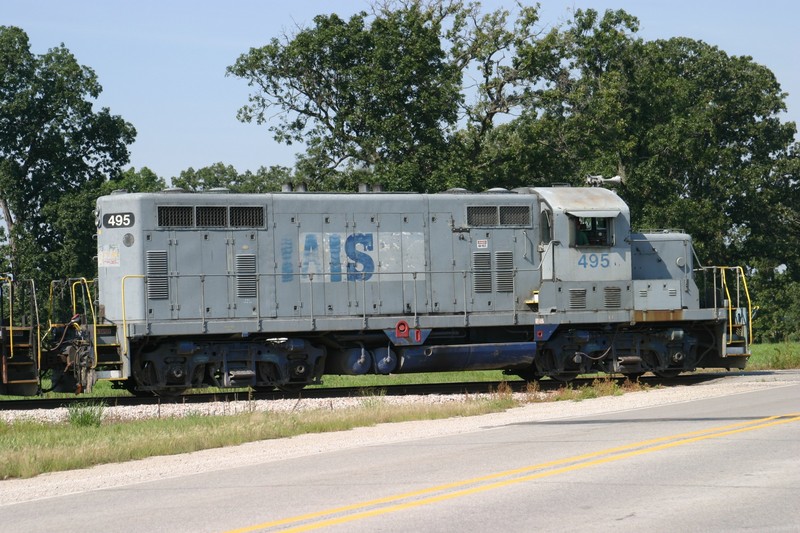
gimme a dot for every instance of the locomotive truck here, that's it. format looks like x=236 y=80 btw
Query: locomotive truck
x=277 y=290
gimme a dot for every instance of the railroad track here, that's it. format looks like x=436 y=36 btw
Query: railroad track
x=28 y=404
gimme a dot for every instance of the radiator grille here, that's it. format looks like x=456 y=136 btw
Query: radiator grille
x=482 y=215
x=247 y=217
x=577 y=298
x=515 y=215
x=613 y=297
x=481 y=272
x=246 y=278
x=175 y=216
x=504 y=264
x=157 y=271
x=212 y=216
x=504 y=215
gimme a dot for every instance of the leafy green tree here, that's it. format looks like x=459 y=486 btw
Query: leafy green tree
x=381 y=96
x=53 y=146
x=132 y=180
x=219 y=175
x=356 y=93
x=696 y=133
x=215 y=176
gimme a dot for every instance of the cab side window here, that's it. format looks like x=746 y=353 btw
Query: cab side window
x=591 y=231
x=546 y=228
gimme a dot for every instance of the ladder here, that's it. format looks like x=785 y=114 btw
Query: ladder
x=738 y=332
x=20 y=354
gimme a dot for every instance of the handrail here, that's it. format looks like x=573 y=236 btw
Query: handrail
x=85 y=283
x=739 y=273
x=727 y=292
x=10 y=280
x=416 y=278
x=38 y=326
x=79 y=281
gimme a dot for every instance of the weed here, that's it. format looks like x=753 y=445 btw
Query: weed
x=86 y=414
x=373 y=399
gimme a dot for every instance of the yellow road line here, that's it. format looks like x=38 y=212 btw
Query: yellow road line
x=579 y=462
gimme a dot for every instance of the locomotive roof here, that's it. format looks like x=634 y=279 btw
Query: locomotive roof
x=578 y=201
x=583 y=201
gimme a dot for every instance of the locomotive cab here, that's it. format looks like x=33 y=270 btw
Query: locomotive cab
x=586 y=258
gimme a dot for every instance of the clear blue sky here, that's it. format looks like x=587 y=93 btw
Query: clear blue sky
x=162 y=63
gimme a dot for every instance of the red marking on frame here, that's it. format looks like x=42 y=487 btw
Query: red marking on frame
x=417 y=335
x=401 y=330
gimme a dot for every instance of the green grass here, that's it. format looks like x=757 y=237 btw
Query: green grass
x=86 y=414
x=31 y=448
x=779 y=356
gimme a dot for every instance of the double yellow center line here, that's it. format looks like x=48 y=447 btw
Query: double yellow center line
x=438 y=493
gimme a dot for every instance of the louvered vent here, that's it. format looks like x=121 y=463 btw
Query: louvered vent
x=247 y=217
x=481 y=272
x=643 y=293
x=157 y=271
x=482 y=215
x=673 y=292
x=212 y=216
x=246 y=278
x=577 y=298
x=515 y=215
x=504 y=265
x=175 y=216
x=613 y=297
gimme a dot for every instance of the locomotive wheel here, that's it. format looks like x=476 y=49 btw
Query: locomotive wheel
x=634 y=376
x=170 y=393
x=564 y=377
x=291 y=387
x=667 y=374
x=131 y=386
x=529 y=376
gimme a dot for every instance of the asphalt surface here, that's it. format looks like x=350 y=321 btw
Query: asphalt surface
x=722 y=456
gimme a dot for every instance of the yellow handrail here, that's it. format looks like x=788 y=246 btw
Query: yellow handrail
x=739 y=273
x=85 y=283
x=38 y=327
x=9 y=280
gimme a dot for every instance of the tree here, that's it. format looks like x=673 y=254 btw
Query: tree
x=53 y=145
x=219 y=175
x=696 y=133
x=132 y=180
x=356 y=93
x=381 y=96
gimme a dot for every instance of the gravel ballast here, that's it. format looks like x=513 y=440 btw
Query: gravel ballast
x=155 y=468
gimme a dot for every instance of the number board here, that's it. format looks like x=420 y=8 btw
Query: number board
x=118 y=220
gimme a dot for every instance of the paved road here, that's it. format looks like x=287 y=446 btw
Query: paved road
x=716 y=464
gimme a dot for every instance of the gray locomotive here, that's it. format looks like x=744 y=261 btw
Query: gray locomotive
x=277 y=290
